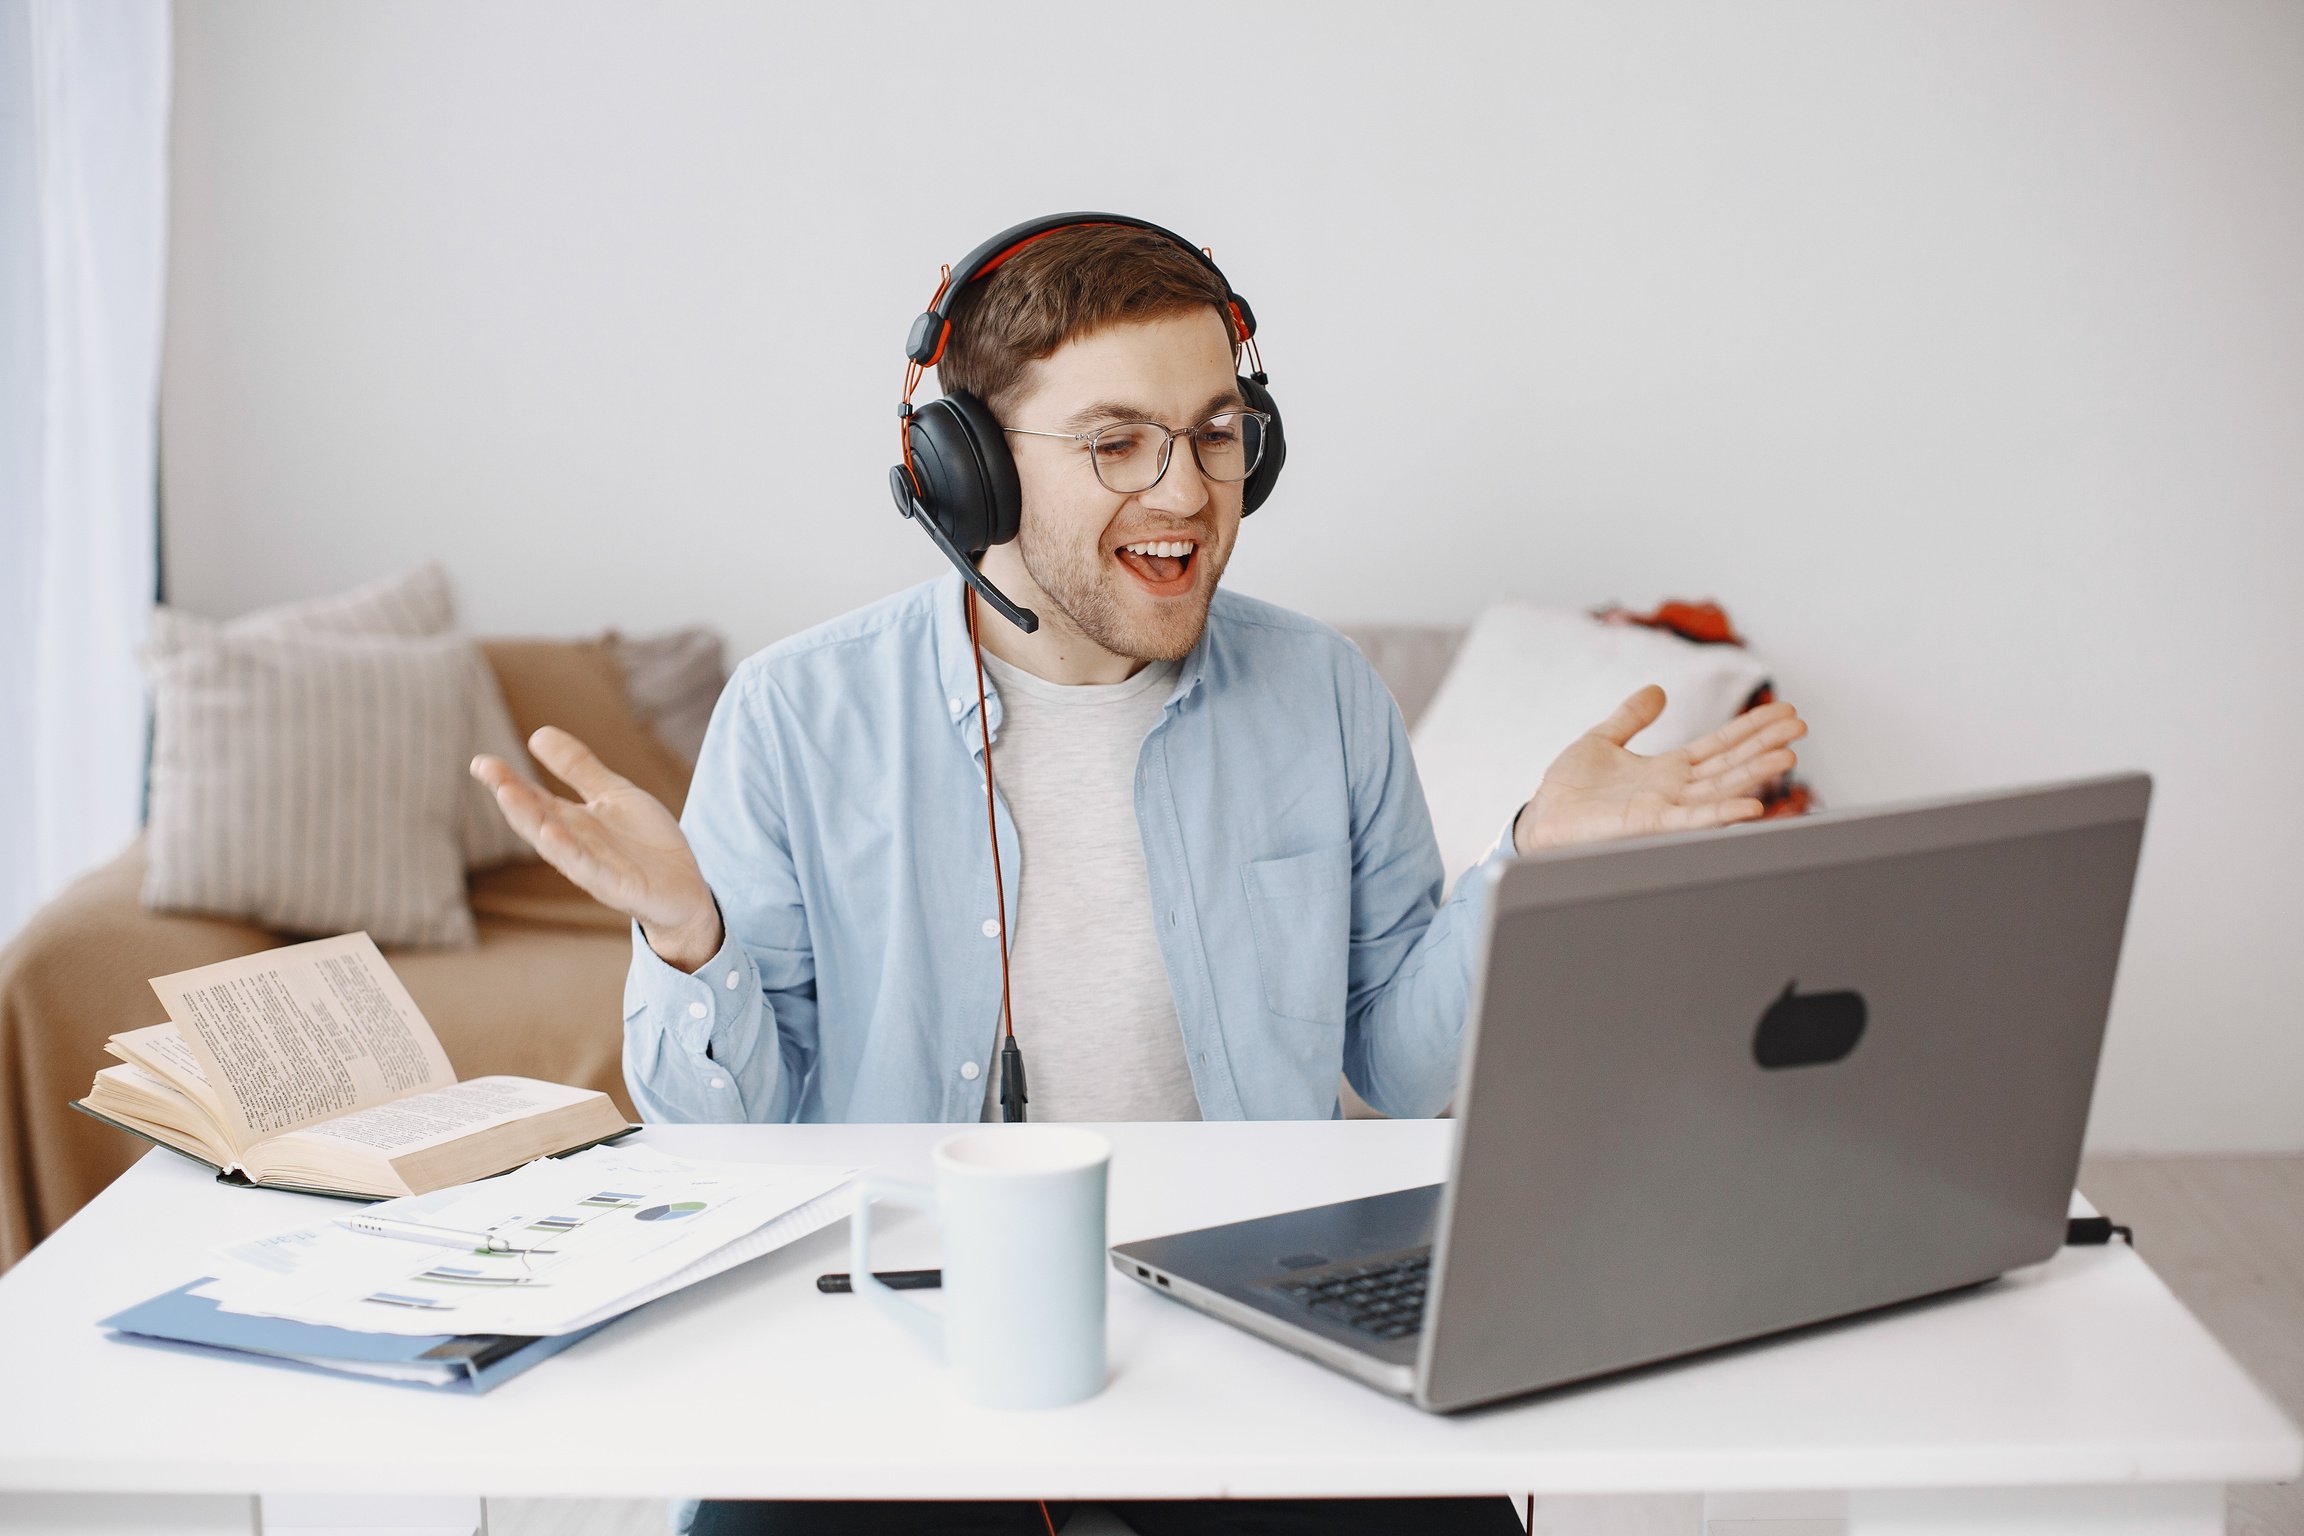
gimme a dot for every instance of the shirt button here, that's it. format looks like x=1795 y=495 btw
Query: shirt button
x=955 y=703
x=719 y=1082
x=991 y=927
x=697 y=1010
x=970 y=1070
x=733 y=978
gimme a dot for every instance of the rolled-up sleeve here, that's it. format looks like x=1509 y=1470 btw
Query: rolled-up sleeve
x=735 y=1039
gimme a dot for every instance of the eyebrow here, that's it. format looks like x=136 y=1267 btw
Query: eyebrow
x=1104 y=411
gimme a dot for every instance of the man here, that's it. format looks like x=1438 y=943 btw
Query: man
x=1224 y=882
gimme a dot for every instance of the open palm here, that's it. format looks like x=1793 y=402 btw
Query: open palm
x=619 y=842
x=1600 y=789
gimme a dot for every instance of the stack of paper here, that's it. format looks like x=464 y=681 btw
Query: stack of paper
x=483 y=1272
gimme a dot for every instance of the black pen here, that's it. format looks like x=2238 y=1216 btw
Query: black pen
x=894 y=1279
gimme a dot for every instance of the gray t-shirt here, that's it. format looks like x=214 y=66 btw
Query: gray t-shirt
x=1094 y=1017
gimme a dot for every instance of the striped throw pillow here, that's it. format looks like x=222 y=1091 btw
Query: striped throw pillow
x=415 y=602
x=311 y=782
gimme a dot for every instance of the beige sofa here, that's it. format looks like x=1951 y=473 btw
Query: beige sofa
x=541 y=994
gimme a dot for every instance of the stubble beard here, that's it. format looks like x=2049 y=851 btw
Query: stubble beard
x=1082 y=586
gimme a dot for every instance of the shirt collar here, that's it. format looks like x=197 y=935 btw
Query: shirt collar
x=956 y=660
x=1195 y=664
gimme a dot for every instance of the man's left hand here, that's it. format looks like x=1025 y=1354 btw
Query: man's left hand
x=1598 y=789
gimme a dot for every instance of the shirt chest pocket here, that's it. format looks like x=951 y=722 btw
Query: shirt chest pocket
x=1300 y=909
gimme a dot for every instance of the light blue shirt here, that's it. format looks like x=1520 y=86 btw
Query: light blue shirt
x=838 y=813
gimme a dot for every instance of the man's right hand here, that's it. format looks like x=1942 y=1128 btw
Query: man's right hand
x=620 y=844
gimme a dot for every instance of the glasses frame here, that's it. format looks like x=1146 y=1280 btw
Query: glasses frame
x=1167 y=448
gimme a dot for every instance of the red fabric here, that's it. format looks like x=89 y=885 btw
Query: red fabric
x=1709 y=624
x=1704 y=623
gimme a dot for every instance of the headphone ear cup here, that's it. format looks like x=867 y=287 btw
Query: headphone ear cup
x=966 y=475
x=1003 y=492
x=1267 y=471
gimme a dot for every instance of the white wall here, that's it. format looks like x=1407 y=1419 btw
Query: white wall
x=1958 y=348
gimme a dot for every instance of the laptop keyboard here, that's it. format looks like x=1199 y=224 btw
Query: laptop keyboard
x=1383 y=1299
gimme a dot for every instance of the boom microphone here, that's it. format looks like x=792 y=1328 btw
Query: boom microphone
x=908 y=503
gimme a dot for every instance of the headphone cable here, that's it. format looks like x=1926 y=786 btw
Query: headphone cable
x=1012 y=1095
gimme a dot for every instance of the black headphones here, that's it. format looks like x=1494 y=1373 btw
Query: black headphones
x=958 y=478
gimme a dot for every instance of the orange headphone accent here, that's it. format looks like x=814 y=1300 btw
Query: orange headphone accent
x=913 y=373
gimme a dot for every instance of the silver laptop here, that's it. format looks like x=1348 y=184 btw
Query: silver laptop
x=1719 y=1085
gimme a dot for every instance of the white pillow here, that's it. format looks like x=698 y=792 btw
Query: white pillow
x=1529 y=681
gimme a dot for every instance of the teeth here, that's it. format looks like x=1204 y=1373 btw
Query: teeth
x=1173 y=549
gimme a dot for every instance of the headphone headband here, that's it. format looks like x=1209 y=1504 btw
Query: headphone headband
x=925 y=345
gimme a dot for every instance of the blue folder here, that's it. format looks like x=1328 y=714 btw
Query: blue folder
x=456 y=1362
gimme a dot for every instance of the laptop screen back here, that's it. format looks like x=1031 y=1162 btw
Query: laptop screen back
x=1724 y=1085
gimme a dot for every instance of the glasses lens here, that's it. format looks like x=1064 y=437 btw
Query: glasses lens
x=1229 y=445
x=1130 y=456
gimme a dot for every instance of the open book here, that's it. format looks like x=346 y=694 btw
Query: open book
x=309 y=1067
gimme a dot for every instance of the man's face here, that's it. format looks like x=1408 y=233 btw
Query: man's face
x=1075 y=538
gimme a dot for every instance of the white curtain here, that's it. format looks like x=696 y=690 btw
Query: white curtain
x=83 y=229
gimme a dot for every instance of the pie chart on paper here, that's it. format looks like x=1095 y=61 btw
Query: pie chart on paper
x=672 y=1212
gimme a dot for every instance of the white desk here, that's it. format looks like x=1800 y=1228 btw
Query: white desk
x=2077 y=1395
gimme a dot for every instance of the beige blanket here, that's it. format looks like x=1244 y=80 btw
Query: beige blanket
x=541 y=996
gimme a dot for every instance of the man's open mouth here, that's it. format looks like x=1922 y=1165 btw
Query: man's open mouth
x=1164 y=566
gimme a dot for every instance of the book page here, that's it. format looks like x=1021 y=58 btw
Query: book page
x=156 y=1106
x=144 y=1080
x=443 y=1114
x=296 y=1034
x=160 y=1050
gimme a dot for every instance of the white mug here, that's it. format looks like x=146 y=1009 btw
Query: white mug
x=1021 y=1209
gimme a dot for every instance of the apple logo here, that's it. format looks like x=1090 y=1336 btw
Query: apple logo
x=1809 y=1030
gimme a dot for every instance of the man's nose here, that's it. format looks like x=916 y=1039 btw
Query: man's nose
x=1182 y=488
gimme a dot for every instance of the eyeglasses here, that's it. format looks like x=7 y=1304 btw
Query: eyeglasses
x=1131 y=456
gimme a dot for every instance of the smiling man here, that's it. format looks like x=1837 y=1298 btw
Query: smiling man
x=1125 y=575
x=1224 y=891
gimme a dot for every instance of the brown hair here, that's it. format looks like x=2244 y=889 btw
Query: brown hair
x=1062 y=286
